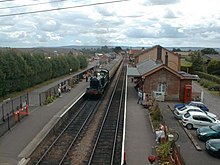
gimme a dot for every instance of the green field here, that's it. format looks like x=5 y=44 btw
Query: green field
x=185 y=63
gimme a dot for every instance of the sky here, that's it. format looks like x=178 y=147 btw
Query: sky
x=134 y=23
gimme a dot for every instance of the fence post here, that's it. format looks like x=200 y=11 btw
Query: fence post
x=202 y=96
x=3 y=115
x=20 y=100
x=27 y=98
x=40 y=98
x=12 y=106
x=8 y=121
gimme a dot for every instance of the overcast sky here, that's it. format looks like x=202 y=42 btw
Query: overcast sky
x=144 y=23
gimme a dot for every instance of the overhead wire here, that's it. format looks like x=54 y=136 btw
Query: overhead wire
x=7 y=0
x=32 y=4
x=62 y=8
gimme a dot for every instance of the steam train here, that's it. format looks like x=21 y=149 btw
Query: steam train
x=98 y=83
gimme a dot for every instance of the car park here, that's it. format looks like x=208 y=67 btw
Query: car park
x=180 y=111
x=199 y=104
x=208 y=132
x=197 y=119
x=212 y=146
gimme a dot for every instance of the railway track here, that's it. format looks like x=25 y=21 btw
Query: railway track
x=107 y=148
x=75 y=137
x=56 y=153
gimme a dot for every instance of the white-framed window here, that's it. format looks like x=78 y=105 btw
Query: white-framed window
x=161 y=87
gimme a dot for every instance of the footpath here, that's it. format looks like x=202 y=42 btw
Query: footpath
x=22 y=139
x=139 y=134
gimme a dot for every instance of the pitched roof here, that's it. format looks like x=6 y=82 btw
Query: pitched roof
x=132 y=71
x=212 y=56
x=147 y=65
x=142 y=68
x=150 y=66
x=135 y=51
x=147 y=50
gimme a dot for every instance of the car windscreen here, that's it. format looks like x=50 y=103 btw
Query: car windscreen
x=215 y=127
x=183 y=108
x=187 y=115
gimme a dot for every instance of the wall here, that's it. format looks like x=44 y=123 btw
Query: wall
x=173 y=60
x=163 y=75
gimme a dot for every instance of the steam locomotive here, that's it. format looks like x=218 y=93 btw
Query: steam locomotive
x=98 y=83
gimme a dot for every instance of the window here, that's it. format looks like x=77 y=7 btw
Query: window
x=194 y=110
x=205 y=119
x=187 y=115
x=161 y=87
x=196 y=117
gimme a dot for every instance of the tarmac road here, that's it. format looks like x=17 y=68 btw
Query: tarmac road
x=189 y=153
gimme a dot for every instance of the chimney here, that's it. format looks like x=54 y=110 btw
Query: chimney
x=159 y=54
x=166 y=59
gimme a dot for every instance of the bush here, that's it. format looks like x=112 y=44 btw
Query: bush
x=206 y=83
x=156 y=117
x=207 y=76
x=49 y=99
x=164 y=149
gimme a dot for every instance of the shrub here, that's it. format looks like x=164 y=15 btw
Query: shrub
x=206 y=83
x=49 y=99
x=207 y=76
x=156 y=117
x=164 y=149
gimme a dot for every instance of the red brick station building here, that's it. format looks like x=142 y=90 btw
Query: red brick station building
x=157 y=70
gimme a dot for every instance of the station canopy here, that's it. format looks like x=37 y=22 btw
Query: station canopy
x=142 y=68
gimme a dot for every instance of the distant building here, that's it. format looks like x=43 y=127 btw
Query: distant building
x=210 y=57
x=160 y=55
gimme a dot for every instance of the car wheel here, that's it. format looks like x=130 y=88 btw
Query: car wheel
x=189 y=126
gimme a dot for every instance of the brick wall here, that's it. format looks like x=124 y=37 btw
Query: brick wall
x=173 y=60
x=173 y=84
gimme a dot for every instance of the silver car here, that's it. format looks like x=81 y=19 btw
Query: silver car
x=180 y=111
x=197 y=119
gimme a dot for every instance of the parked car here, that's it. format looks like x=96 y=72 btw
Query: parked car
x=197 y=119
x=199 y=104
x=208 y=132
x=212 y=146
x=214 y=88
x=180 y=111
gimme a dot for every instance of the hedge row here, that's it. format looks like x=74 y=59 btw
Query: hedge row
x=19 y=70
x=208 y=76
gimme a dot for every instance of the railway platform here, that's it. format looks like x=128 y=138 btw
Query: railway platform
x=18 y=143
x=139 y=137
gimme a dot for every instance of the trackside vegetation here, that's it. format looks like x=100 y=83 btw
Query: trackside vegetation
x=21 y=70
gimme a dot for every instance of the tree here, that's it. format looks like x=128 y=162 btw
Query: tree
x=82 y=61
x=117 y=49
x=177 y=50
x=209 y=51
x=214 y=67
x=197 y=61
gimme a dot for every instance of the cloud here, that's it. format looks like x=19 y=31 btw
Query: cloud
x=48 y=25
x=105 y=12
x=170 y=22
x=163 y=2
x=169 y=14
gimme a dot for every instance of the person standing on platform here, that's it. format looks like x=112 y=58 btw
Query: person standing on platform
x=139 y=96
x=59 y=91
